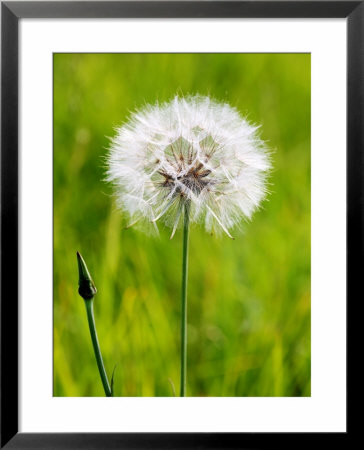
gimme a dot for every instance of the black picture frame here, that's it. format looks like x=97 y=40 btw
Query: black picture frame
x=11 y=12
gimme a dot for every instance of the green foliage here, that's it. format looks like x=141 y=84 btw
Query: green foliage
x=249 y=299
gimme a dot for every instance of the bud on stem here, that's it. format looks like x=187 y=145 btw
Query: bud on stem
x=87 y=290
x=86 y=287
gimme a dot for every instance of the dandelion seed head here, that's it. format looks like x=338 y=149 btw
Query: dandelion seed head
x=191 y=149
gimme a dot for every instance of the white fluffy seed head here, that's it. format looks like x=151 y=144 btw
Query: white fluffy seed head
x=192 y=149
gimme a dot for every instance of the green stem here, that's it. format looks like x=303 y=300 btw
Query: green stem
x=91 y=323
x=184 y=299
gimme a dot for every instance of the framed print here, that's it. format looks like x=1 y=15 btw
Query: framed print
x=181 y=219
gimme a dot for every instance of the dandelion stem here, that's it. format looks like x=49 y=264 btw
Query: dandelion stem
x=184 y=299
x=91 y=323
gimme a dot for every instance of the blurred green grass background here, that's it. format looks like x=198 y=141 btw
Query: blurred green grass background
x=249 y=299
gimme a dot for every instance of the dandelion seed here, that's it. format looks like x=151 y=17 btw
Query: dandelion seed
x=190 y=150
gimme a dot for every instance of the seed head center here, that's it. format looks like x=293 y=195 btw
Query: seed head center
x=194 y=179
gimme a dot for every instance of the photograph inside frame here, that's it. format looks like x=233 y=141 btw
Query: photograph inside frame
x=182 y=225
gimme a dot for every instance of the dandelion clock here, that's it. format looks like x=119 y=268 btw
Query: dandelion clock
x=190 y=160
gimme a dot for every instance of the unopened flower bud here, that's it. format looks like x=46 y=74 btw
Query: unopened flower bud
x=86 y=287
